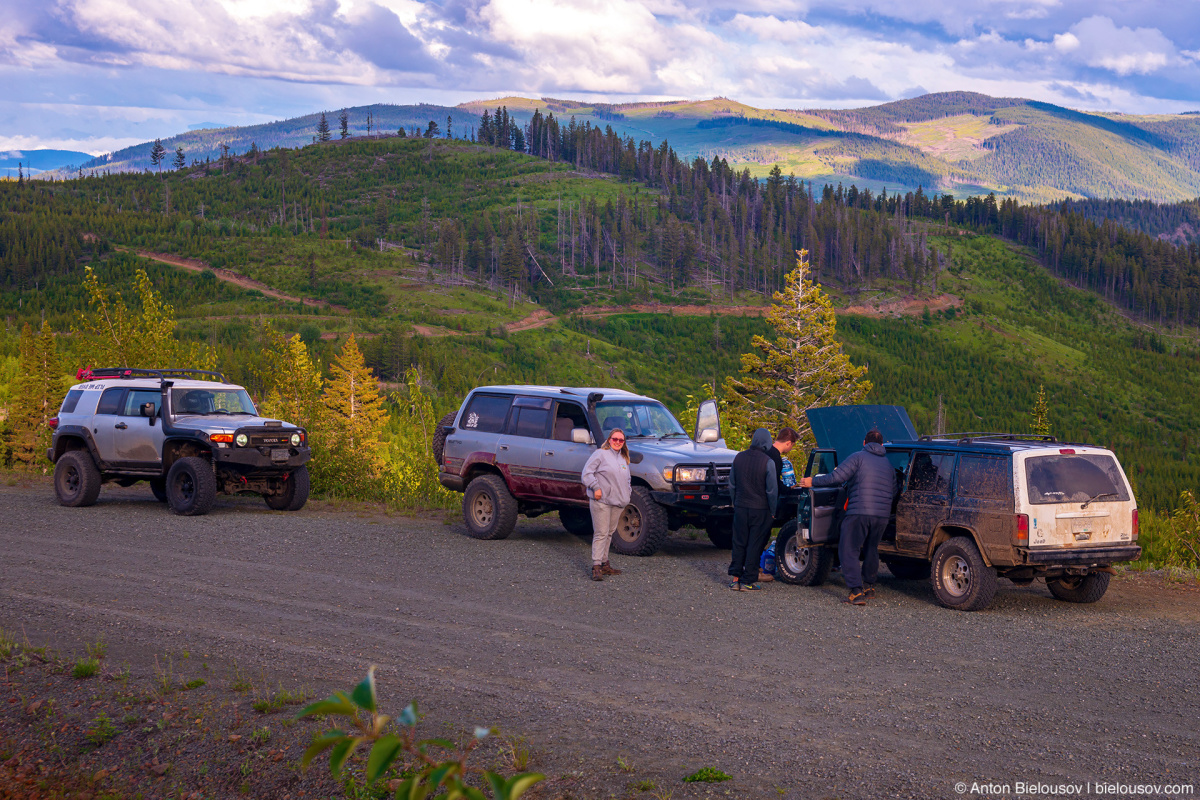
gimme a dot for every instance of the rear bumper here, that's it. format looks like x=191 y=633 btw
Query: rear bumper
x=1084 y=556
x=451 y=481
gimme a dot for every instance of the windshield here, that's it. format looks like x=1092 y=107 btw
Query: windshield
x=638 y=418
x=211 y=401
x=1073 y=479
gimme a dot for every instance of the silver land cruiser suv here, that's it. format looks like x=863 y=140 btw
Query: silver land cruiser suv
x=521 y=449
x=189 y=433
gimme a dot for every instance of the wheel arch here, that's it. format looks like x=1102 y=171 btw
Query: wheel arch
x=478 y=469
x=175 y=449
x=65 y=443
x=945 y=533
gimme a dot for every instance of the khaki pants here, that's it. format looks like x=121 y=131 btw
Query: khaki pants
x=604 y=522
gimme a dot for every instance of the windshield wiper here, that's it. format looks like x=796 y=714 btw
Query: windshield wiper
x=674 y=433
x=1097 y=497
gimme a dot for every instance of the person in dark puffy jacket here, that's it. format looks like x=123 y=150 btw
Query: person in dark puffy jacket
x=871 y=485
x=752 y=483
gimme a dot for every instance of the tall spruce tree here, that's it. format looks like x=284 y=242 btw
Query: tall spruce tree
x=180 y=160
x=323 y=129
x=1040 y=416
x=39 y=391
x=344 y=123
x=157 y=154
x=803 y=367
x=355 y=417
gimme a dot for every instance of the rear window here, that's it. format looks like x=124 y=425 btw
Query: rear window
x=487 y=413
x=1074 y=479
x=985 y=478
x=70 y=401
x=930 y=472
x=110 y=401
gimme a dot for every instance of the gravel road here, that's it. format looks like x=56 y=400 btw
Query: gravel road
x=786 y=690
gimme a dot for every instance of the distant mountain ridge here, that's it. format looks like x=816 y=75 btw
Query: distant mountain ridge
x=35 y=161
x=959 y=142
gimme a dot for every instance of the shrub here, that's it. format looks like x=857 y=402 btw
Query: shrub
x=427 y=775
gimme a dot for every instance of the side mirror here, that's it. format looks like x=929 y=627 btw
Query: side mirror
x=581 y=436
x=148 y=411
x=708 y=435
x=707 y=417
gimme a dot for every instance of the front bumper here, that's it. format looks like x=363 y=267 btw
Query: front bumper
x=1083 y=556
x=259 y=459
x=703 y=500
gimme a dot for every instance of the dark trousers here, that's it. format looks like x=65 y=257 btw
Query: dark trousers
x=860 y=535
x=751 y=528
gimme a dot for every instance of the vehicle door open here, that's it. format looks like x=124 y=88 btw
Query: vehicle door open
x=820 y=508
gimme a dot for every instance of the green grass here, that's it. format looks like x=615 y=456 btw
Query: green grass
x=85 y=668
x=707 y=775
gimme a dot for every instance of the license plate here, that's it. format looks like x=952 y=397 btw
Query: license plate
x=280 y=455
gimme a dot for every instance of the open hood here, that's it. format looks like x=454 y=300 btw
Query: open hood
x=842 y=428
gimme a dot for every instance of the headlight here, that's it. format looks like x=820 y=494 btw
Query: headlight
x=691 y=474
x=295 y=440
x=242 y=440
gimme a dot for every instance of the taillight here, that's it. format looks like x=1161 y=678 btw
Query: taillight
x=53 y=423
x=1021 y=532
x=1135 y=525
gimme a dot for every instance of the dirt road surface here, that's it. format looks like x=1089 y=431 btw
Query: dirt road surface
x=789 y=691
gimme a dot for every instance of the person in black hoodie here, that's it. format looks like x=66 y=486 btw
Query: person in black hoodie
x=755 y=495
x=871 y=484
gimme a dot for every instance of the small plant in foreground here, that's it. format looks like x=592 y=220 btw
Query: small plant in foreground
x=102 y=730
x=707 y=775
x=278 y=699
x=195 y=683
x=85 y=668
x=624 y=765
x=8 y=645
x=261 y=736
x=444 y=779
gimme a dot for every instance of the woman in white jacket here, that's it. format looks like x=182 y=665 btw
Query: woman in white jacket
x=606 y=478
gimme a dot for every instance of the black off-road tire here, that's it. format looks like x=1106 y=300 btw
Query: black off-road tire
x=800 y=566
x=959 y=577
x=76 y=479
x=439 y=437
x=1079 y=588
x=908 y=569
x=720 y=532
x=294 y=494
x=191 y=487
x=577 y=521
x=489 y=509
x=643 y=525
x=158 y=487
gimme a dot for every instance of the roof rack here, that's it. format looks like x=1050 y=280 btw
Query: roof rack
x=125 y=373
x=970 y=436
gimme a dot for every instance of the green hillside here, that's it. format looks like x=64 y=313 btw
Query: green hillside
x=501 y=267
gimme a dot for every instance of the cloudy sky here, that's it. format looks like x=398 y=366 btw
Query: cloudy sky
x=96 y=75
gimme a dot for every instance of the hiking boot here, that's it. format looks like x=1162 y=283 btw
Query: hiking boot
x=856 y=598
x=609 y=569
x=869 y=592
x=765 y=577
x=597 y=572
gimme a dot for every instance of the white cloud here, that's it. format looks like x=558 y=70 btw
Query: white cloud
x=1098 y=42
x=771 y=27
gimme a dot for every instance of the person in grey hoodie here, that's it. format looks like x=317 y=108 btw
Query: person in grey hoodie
x=606 y=478
x=871 y=484
x=755 y=491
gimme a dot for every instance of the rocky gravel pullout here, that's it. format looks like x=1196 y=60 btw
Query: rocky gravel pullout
x=647 y=676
